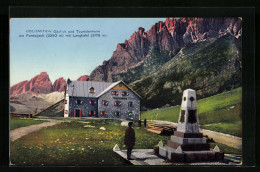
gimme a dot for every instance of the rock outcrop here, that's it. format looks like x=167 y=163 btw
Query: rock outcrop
x=38 y=84
x=18 y=88
x=83 y=78
x=59 y=85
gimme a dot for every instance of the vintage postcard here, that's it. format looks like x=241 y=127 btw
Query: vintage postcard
x=126 y=91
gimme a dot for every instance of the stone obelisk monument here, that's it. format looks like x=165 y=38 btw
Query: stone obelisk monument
x=187 y=144
x=188 y=136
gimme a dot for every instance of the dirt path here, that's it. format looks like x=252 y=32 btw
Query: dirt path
x=232 y=141
x=20 y=132
x=229 y=140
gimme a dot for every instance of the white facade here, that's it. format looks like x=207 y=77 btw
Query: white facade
x=66 y=108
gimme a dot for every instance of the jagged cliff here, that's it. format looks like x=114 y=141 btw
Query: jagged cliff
x=170 y=35
x=59 y=85
x=38 y=84
x=41 y=84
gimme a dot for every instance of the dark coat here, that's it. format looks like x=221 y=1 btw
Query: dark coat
x=129 y=137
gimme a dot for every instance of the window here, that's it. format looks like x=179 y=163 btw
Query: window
x=130 y=114
x=91 y=90
x=79 y=102
x=92 y=102
x=117 y=103
x=125 y=93
x=117 y=113
x=114 y=93
x=105 y=102
x=102 y=113
x=66 y=102
x=120 y=85
x=130 y=104
x=92 y=113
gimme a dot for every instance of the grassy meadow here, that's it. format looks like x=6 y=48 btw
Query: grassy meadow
x=79 y=142
x=222 y=113
x=83 y=142
x=23 y=122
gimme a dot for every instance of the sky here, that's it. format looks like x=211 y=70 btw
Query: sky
x=67 y=57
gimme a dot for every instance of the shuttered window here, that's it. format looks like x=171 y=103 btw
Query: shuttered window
x=79 y=102
x=125 y=93
x=92 y=113
x=117 y=103
x=103 y=113
x=105 y=102
x=130 y=104
x=114 y=93
x=92 y=102
x=117 y=113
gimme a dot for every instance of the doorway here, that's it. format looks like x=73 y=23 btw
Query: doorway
x=77 y=112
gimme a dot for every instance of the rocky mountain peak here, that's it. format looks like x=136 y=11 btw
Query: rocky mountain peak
x=59 y=85
x=41 y=84
x=83 y=78
x=38 y=84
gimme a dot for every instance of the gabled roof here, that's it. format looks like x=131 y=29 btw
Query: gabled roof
x=113 y=85
x=81 y=88
x=108 y=88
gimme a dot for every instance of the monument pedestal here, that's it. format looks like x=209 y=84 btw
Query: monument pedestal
x=188 y=142
x=187 y=150
x=191 y=148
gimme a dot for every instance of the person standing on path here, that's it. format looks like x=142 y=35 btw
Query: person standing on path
x=145 y=122
x=129 y=139
x=139 y=123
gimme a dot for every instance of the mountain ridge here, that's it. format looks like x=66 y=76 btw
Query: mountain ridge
x=171 y=35
x=41 y=84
